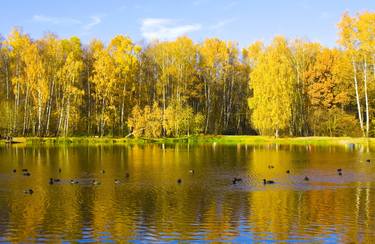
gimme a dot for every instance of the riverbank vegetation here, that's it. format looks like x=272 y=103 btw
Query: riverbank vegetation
x=348 y=142
x=61 y=87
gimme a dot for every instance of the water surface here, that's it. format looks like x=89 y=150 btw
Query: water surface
x=150 y=205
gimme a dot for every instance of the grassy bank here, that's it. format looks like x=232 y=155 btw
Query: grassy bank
x=251 y=140
x=256 y=140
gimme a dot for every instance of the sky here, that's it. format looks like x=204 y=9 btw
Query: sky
x=243 y=21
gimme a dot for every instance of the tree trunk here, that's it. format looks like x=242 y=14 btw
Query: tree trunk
x=7 y=80
x=25 y=111
x=49 y=106
x=163 y=117
x=61 y=115
x=39 y=113
x=102 y=119
x=66 y=127
x=88 y=102
x=16 y=104
x=357 y=97
x=366 y=99
x=123 y=110
x=207 y=99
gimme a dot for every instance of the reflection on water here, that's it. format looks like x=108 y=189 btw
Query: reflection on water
x=150 y=205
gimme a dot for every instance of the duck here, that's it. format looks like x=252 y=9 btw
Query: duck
x=56 y=180
x=103 y=171
x=179 y=181
x=191 y=171
x=24 y=170
x=306 y=178
x=14 y=170
x=50 y=181
x=235 y=180
x=73 y=181
x=340 y=173
x=95 y=182
x=117 y=181
x=368 y=160
x=28 y=191
x=26 y=174
x=271 y=166
x=265 y=182
x=339 y=170
x=288 y=171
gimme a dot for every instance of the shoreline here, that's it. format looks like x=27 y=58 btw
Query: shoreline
x=203 y=139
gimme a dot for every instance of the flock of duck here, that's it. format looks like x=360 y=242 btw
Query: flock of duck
x=25 y=172
x=235 y=180
x=267 y=182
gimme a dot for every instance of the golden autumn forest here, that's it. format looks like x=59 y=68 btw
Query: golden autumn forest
x=60 y=87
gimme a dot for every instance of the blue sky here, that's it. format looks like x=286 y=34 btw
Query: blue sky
x=244 y=21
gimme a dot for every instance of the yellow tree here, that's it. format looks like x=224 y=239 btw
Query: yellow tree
x=17 y=43
x=328 y=90
x=4 y=64
x=146 y=122
x=184 y=66
x=176 y=71
x=323 y=84
x=52 y=56
x=6 y=87
x=35 y=78
x=303 y=56
x=125 y=55
x=252 y=53
x=159 y=56
x=177 y=119
x=104 y=83
x=136 y=122
x=271 y=83
x=69 y=81
x=349 y=41
x=213 y=55
x=365 y=33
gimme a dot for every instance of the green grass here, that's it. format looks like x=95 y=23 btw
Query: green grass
x=98 y=140
x=204 y=139
x=256 y=140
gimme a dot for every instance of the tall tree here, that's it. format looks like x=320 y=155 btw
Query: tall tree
x=125 y=56
x=272 y=82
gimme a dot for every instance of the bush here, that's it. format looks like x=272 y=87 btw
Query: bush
x=146 y=122
x=333 y=122
x=179 y=120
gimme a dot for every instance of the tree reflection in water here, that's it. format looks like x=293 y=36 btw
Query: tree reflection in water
x=149 y=205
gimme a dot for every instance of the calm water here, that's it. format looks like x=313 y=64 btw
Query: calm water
x=150 y=205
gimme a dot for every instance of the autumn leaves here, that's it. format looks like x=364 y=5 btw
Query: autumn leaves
x=303 y=88
x=61 y=87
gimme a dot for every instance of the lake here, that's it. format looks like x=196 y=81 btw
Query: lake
x=147 y=203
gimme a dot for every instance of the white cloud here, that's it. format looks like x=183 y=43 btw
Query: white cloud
x=95 y=20
x=222 y=23
x=55 y=20
x=83 y=25
x=165 y=29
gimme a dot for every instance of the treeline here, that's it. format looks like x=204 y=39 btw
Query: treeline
x=60 y=87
